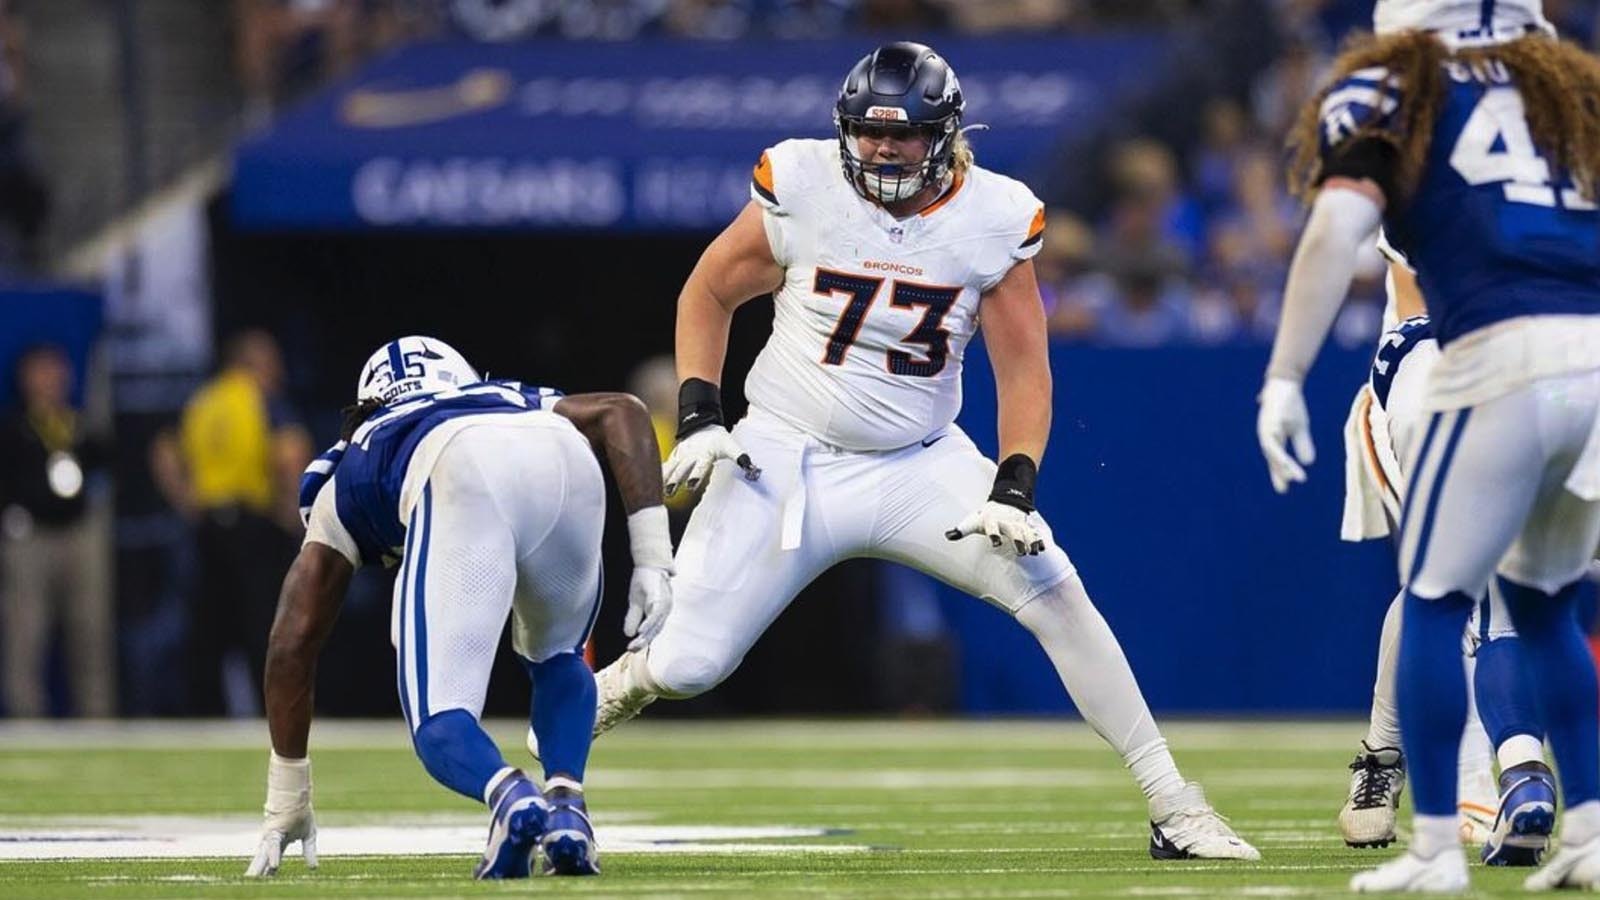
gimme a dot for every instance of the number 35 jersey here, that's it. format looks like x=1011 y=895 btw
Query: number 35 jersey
x=1494 y=230
x=874 y=313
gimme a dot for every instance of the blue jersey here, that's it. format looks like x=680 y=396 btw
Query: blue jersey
x=1493 y=230
x=1393 y=348
x=371 y=466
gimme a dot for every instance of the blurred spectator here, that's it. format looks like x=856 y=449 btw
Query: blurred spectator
x=1030 y=16
x=912 y=16
x=1223 y=139
x=1147 y=306
x=242 y=453
x=655 y=381
x=1150 y=207
x=1279 y=93
x=720 y=20
x=24 y=196
x=811 y=18
x=285 y=47
x=1068 y=283
x=53 y=565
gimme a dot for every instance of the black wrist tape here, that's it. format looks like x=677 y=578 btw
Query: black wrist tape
x=699 y=406
x=1013 y=483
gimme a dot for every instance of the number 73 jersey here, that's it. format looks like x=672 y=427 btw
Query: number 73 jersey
x=874 y=313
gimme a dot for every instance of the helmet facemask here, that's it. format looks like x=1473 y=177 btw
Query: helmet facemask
x=895 y=182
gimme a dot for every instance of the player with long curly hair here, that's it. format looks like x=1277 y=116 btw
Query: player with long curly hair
x=1473 y=135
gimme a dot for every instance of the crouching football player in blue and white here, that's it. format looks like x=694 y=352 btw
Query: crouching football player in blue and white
x=489 y=497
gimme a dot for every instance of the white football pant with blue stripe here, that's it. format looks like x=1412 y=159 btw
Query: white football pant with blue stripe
x=1489 y=492
x=509 y=520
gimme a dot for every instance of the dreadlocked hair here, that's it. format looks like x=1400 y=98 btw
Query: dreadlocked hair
x=357 y=413
x=1558 y=81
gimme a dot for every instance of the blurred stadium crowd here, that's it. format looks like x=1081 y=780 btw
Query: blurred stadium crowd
x=1172 y=227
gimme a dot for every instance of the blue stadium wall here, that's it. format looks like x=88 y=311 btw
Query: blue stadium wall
x=1226 y=596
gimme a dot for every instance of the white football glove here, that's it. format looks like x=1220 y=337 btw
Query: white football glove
x=1002 y=523
x=288 y=816
x=1283 y=418
x=691 y=460
x=649 y=604
x=650 y=590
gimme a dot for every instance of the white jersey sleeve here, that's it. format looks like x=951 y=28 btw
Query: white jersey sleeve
x=1019 y=218
x=323 y=525
x=777 y=166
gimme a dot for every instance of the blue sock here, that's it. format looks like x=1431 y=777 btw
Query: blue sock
x=563 y=713
x=1564 y=681
x=1432 y=689
x=457 y=753
x=1504 y=688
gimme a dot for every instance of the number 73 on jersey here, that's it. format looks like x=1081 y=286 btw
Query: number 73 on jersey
x=859 y=292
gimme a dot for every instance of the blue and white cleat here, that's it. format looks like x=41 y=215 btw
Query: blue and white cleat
x=568 y=843
x=1527 y=816
x=516 y=824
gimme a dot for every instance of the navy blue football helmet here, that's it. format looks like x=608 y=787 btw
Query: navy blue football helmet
x=899 y=85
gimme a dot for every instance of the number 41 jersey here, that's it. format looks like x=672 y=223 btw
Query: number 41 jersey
x=875 y=312
x=1494 y=230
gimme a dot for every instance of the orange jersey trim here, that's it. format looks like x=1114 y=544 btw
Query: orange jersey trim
x=1365 y=424
x=954 y=188
x=762 y=176
x=1035 y=229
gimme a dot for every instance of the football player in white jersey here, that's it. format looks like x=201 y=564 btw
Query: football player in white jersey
x=1511 y=823
x=882 y=248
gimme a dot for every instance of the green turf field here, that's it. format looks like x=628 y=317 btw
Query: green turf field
x=847 y=809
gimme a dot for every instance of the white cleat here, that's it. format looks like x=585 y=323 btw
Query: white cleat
x=1184 y=826
x=623 y=692
x=1474 y=823
x=1443 y=873
x=1575 y=868
x=1477 y=805
x=1377 y=779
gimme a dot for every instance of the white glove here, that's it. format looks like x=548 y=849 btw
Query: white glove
x=650 y=590
x=649 y=604
x=1001 y=522
x=1283 y=417
x=691 y=460
x=288 y=816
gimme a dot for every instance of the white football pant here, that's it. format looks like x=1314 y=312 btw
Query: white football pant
x=510 y=520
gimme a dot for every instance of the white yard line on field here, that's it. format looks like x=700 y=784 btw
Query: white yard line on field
x=187 y=837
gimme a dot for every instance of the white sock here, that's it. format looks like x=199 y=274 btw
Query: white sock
x=1091 y=666
x=1383 y=729
x=494 y=782
x=1581 y=823
x=1432 y=834
x=1154 y=769
x=1475 y=761
x=1519 y=749
x=563 y=782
